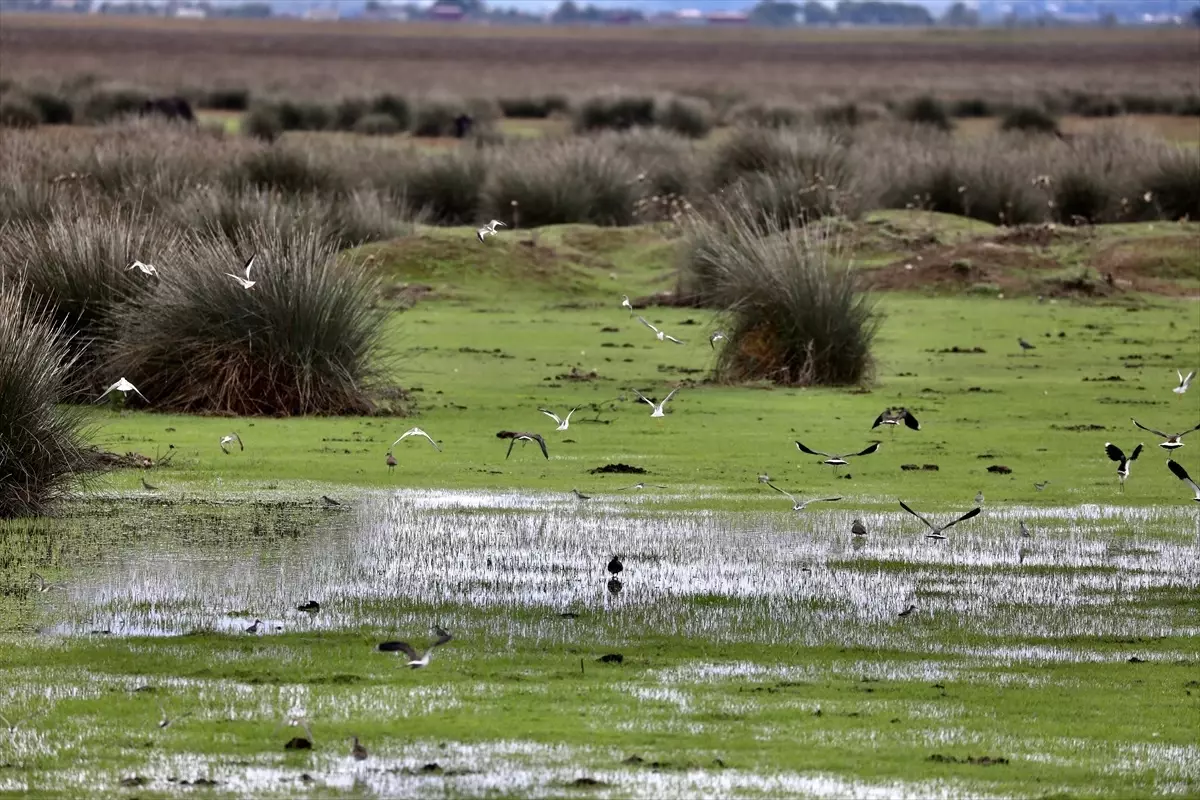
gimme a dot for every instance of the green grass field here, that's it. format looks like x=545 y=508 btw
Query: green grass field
x=762 y=651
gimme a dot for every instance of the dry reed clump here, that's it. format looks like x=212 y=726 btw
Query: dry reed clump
x=75 y=264
x=582 y=181
x=446 y=187
x=42 y=445
x=792 y=311
x=305 y=340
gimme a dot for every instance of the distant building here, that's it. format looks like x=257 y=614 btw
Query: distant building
x=727 y=18
x=446 y=12
x=191 y=12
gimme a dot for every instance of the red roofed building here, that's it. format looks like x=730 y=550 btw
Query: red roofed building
x=727 y=18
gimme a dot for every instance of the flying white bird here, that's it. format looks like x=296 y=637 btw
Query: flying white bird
x=489 y=229
x=124 y=387
x=1184 y=383
x=661 y=336
x=838 y=460
x=229 y=439
x=936 y=531
x=415 y=659
x=641 y=486
x=1172 y=440
x=626 y=304
x=563 y=423
x=658 y=407
x=245 y=282
x=416 y=432
x=716 y=337
x=148 y=269
x=1181 y=473
x=796 y=504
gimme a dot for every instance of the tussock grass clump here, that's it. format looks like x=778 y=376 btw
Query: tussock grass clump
x=285 y=169
x=1029 y=119
x=447 y=188
x=435 y=114
x=768 y=115
x=106 y=103
x=1173 y=183
x=614 y=110
x=304 y=340
x=764 y=150
x=687 y=116
x=794 y=315
x=41 y=442
x=571 y=181
x=18 y=112
x=927 y=110
x=531 y=107
x=75 y=264
x=667 y=164
x=53 y=109
x=226 y=98
x=375 y=124
x=262 y=122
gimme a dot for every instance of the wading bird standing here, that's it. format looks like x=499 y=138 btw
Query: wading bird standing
x=147 y=269
x=415 y=659
x=659 y=334
x=1184 y=382
x=857 y=528
x=229 y=439
x=580 y=495
x=415 y=432
x=838 y=460
x=391 y=462
x=358 y=751
x=1025 y=346
x=658 y=407
x=516 y=436
x=1181 y=473
x=937 y=531
x=489 y=229
x=124 y=387
x=908 y=610
x=799 y=506
x=1172 y=441
x=615 y=565
x=1041 y=486
x=255 y=627
x=1114 y=453
x=896 y=416
x=245 y=282
x=564 y=422
x=328 y=501
x=148 y=487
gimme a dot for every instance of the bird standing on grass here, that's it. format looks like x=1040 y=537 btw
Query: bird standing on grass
x=1025 y=346
x=1115 y=453
x=391 y=462
x=148 y=487
x=358 y=751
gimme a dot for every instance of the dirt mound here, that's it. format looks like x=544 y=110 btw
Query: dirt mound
x=961 y=267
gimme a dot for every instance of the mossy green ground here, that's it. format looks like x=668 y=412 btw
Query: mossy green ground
x=509 y=326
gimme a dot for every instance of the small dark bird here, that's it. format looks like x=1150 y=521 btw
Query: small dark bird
x=936 y=531
x=329 y=501
x=1181 y=473
x=516 y=436
x=415 y=659
x=838 y=460
x=580 y=495
x=391 y=462
x=1041 y=486
x=254 y=628
x=1114 y=453
x=1172 y=441
x=358 y=751
x=906 y=612
x=1025 y=346
x=896 y=416
x=148 y=487
x=615 y=566
x=857 y=528
x=311 y=607
x=614 y=586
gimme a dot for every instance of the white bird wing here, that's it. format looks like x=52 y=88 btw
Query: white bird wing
x=106 y=391
x=789 y=495
x=668 y=397
x=671 y=338
x=643 y=397
x=552 y=415
x=572 y=411
x=250 y=265
x=417 y=432
x=647 y=324
x=139 y=394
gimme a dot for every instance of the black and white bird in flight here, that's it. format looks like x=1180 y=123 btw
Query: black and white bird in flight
x=229 y=439
x=1184 y=382
x=1115 y=453
x=517 y=436
x=416 y=660
x=938 y=531
x=148 y=269
x=1172 y=440
x=489 y=229
x=563 y=422
x=660 y=334
x=641 y=486
x=1181 y=473
x=800 y=506
x=415 y=432
x=124 y=387
x=626 y=304
x=838 y=460
x=896 y=416
x=166 y=721
x=716 y=337
x=245 y=282
x=658 y=407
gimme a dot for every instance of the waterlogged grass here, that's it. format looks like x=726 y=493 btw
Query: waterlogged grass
x=762 y=650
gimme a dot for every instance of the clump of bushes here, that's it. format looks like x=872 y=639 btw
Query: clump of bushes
x=52 y=108
x=927 y=110
x=533 y=107
x=375 y=124
x=105 y=103
x=305 y=340
x=793 y=313
x=447 y=187
x=435 y=114
x=1029 y=119
x=768 y=115
x=687 y=116
x=42 y=444
x=18 y=112
x=1173 y=184
x=616 y=111
x=262 y=122
x=226 y=98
